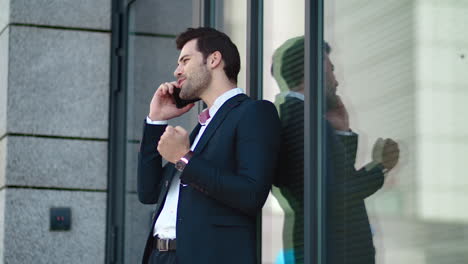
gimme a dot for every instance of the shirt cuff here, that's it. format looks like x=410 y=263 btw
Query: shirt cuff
x=151 y=122
x=374 y=164
x=344 y=133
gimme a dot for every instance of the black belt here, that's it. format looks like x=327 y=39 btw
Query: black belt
x=164 y=244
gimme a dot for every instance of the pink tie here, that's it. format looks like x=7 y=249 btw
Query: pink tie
x=203 y=117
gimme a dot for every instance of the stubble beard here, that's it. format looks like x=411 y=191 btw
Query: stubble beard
x=196 y=84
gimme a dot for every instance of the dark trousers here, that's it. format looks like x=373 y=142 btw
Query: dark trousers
x=162 y=257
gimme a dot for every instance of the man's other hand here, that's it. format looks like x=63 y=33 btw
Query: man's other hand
x=174 y=144
x=386 y=152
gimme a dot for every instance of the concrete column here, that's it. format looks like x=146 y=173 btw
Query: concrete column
x=54 y=110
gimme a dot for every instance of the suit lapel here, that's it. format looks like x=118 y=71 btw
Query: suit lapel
x=218 y=120
x=194 y=133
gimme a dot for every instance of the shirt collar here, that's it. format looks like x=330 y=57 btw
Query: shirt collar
x=222 y=99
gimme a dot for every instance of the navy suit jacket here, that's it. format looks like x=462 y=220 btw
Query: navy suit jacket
x=228 y=177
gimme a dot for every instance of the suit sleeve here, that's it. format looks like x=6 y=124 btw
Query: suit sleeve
x=150 y=169
x=256 y=152
x=362 y=183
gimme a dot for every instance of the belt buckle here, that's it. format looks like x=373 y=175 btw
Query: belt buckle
x=163 y=245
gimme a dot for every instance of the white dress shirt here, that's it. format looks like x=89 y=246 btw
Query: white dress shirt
x=165 y=226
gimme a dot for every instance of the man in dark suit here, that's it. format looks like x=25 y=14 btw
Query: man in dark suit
x=217 y=179
x=348 y=232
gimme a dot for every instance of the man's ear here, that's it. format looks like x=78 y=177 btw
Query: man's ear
x=215 y=59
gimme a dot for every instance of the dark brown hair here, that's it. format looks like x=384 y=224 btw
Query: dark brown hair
x=210 y=40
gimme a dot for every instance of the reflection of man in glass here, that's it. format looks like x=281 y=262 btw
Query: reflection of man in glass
x=348 y=236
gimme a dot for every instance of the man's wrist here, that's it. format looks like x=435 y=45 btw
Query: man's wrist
x=376 y=165
x=382 y=168
x=183 y=161
x=155 y=122
x=183 y=154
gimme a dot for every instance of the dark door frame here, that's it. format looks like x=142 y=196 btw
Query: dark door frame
x=117 y=148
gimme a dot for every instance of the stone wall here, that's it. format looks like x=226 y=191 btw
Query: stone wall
x=54 y=118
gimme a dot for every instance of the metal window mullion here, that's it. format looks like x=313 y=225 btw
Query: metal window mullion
x=117 y=136
x=254 y=76
x=255 y=48
x=209 y=13
x=314 y=147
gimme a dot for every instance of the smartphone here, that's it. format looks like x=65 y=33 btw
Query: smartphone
x=180 y=103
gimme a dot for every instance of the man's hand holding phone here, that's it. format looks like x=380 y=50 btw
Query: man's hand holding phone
x=163 y=105
x=338 y=116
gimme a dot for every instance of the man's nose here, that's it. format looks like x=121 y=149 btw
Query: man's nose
x=177 y=72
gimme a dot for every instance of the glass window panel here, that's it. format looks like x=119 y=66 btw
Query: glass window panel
x=400 y=69
x=231 y=18
x=283 y=84
x=283 y=24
